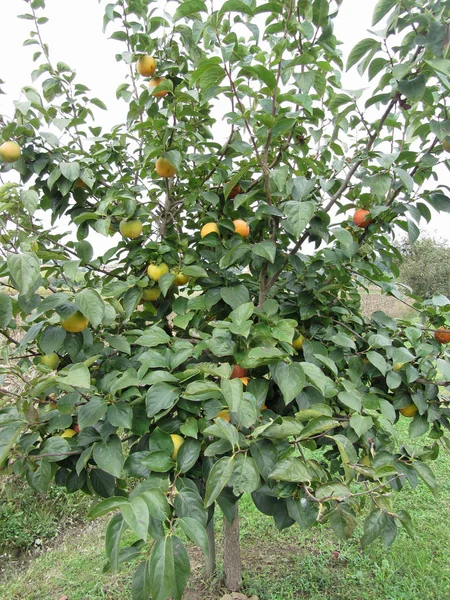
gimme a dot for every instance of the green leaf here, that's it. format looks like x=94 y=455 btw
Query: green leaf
x=266 y=249
x=304 y=512
x=218 y=478
x=426 y=474
x=161 y=396
x=335 y=491
x=157 y=503
x=51 y=339
x=70 y=171
x=317 y=425
x=352 y=400
x=108 y=456
x=413 y=89
x=140 y=586
x=188 y=455
x=378 y=361
x=290 y=378
x=106 y=506
x=154 y=336
x=159 y=461
x=119 y=342
x=374 y=524
x=196 y=532
x=91 y=305
x=182 y=568
x=25 y=270
x=188 y=8
x=5 y=310
x=76 y=376
x=232 y=390
x=30 y=200
x=261 y=73
x=113 y=535
x=235 y=296
x=162 y=569
x=298 y=215
x=291 y=469
x=235 y=255
x=245 y=477
x=236 y=6
x=91 y=412
x=361 y=49
x=136 y=515
x=360 y=424
x=381 y=9
x=8 y=437
x=340 y=339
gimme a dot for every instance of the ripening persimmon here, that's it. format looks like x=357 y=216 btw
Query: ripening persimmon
x=165 y=168
x=234 y=191
x=442 y=336
x=76 y=323
x=361 y=219
x=209 y=228
x=177 y=441
x=10 y=152
x=180 y=279
x=238 y=372
x=154 y=83
x=155 y=272
x=409 y=410
x=131 y=229
x=151 y=294
x=225 y=415
x=241 y=227
x=146 y=65
x=50 y=360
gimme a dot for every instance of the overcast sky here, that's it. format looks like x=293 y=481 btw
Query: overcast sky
x=74 y=34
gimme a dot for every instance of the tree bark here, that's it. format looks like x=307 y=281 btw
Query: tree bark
x=210 y=564
x=232 y=565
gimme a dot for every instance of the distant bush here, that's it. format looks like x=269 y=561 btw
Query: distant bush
x=426 y=266
x=26 y=516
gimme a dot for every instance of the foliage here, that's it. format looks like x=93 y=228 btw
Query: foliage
x=425 y=267
x=27 y=516
x=300 y=156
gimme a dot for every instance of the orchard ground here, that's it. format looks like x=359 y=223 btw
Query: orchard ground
x=286 y=565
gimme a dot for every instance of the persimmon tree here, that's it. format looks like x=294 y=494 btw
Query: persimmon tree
x=218 y=346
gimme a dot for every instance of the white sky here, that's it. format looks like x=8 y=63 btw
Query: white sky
x=74 y=35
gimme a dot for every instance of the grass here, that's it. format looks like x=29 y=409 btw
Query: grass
x=287 y=565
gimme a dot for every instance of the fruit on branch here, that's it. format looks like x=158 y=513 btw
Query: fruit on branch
x=10 y=152
x=298 y=342
x=165 y=168
x=225 y=415
x=180 y=279
x=151 y=294
x=361 y=219
x=238 y=372
x=68 y=433
x=178 y=441
x=154 y=83
x=50 y=360
x=155 y=272
x=76 y=428
x=442 y=336
x=234 y=191
x=209 y=228
x=397 y=366
x=146 y=65
x=80 y=184
x=241 y=227
x=75 y=323
x=130 y=229
x=409 y=410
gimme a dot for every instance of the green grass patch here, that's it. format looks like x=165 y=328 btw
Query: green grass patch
x=286 y=565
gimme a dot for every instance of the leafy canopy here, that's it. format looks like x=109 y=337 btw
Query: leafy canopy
x=250 y=111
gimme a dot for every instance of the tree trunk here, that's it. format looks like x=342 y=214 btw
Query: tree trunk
x=210 y=564
x=232 y=565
